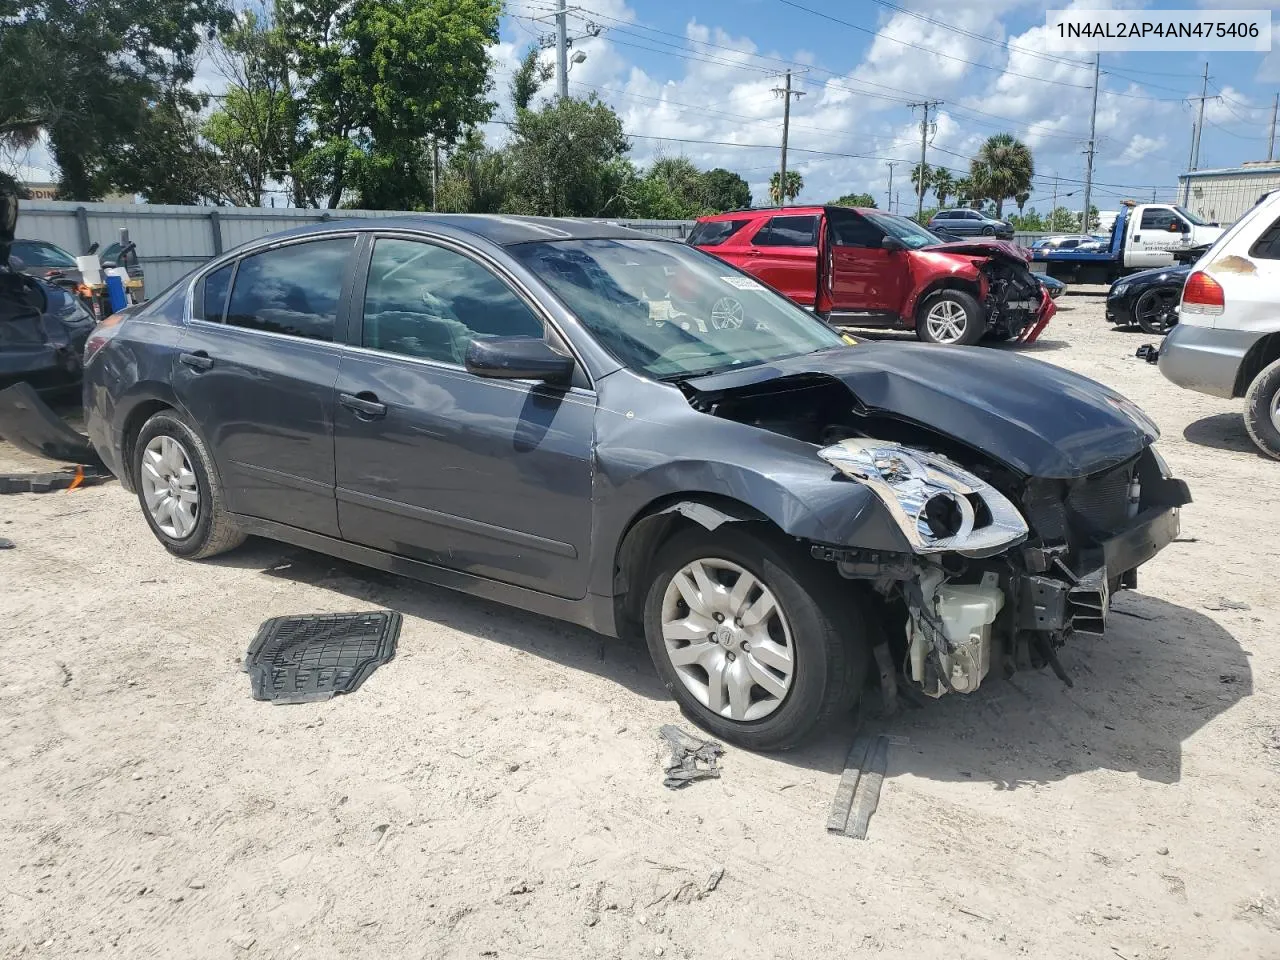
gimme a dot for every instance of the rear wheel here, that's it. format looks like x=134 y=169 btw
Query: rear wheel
x=753 y=639
x=179 y=492
x=988 y=231
x=950 y=316
x=1157 y=310
x=1262 y=410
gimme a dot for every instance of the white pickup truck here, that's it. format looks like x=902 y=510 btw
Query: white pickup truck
x=1144 y=235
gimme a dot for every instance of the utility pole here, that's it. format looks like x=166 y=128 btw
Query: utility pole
x=897 y=203
x=1093 y=128
x=1271 y=142
x=890 y=164
x=1204 y=90
x=562 y=48
x=1055 y=196
x=786 y=93
x=924 y=145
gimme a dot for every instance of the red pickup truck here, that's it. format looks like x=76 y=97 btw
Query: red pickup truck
x=868 y=268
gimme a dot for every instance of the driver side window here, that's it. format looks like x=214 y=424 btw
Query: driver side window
x=426 y=301
x=852 y=230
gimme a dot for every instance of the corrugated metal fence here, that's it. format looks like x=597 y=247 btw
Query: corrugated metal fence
x=172 y=240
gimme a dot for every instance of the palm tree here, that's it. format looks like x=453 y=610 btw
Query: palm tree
x=795 y=183
x=964 y=190
x=1021 y=200
x=1006 y=168
x=943 y=184
x=921 y=172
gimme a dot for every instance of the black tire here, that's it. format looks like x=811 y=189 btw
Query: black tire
x=975 y=322
x=828 y=635
x=1261 y=410
x=1155 y=311
x=988 y=231
x=214 y=531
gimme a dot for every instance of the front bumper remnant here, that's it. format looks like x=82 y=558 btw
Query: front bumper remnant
x=27 y=422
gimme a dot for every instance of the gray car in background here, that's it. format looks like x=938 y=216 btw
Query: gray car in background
x=629 y=434
x=971 y=223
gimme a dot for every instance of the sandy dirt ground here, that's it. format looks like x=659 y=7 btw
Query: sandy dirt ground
x=496 y=791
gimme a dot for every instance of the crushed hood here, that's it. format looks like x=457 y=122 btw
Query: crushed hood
x=1036 y=418
x=983 y=247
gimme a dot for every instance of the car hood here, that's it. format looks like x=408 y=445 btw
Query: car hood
x=1177 y=274
x=1035 y=418
x=982 y=247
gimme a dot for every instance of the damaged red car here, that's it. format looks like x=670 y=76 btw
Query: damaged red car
x=868 y=268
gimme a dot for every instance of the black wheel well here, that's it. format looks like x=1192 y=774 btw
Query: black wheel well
x=652 y=527
x=132 y=426
x=1262 y=354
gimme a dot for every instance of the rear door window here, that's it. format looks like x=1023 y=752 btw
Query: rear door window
x=712 y=233
x=799 y=231
x=292 y=290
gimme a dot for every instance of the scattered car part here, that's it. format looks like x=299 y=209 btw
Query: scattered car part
x=29 y=424
x=690 y=759
x=625 y=455
x=6 y=544
x=861 y=781
x=49 y=482
x=301 y=659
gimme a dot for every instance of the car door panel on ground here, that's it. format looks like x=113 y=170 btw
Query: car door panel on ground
x=865 y=278
x=784 y=254
x=491 y=477
x=258 y=365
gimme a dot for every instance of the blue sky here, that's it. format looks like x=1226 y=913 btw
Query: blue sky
x=703 y=71
x=695 y=78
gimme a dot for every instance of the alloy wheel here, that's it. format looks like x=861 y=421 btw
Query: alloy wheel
x=946 y=321
x=1275 y=410
x=728 y=639
x=1157 y=311
x=169 y=487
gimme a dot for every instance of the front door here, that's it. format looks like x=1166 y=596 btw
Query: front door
x=1151 y=241
x=866 y=278
x=784 y=254
x=256 y=371
x=491 y=477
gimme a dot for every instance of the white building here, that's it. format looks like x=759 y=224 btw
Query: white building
x=1222 y=196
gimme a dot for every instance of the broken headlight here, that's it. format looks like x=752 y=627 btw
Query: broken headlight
x=939 y=506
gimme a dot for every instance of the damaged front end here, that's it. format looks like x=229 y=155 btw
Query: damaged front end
x=1005 y=569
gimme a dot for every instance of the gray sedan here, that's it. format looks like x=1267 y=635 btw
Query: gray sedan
x=626 y=433
x=971 y=223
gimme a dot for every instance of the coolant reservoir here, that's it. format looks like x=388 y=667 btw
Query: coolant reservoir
x=967 y=612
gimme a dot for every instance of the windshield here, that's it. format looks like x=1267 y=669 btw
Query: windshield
x=908 y=231
x=669 y=311
x=37 y=253
x=1195 y=221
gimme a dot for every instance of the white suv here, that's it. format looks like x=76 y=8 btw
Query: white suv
x=1227 y=341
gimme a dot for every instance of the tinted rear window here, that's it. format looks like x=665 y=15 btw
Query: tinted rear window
x=715 y=232
x=789 y=232
x=1267 y=246
x=292 y=290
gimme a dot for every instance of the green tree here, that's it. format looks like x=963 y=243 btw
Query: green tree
x=383 y=80
x=529 y=78
x=725 y=190
x=855 y=200
x=921 y=178
x=1021 y=199
x=795 y=183
x=1030 y=222
x=475 y=180
x=568 y=160
x=1003 y=168
x=92 y=75
x=169 y=162
x=944 y=185
x=1062 y=219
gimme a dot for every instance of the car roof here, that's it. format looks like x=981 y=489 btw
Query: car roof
x=762 y=212
x=496 y=228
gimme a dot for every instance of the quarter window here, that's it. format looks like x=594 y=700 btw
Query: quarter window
x=712 y=233
x=789 y=232
x=1267 y=246
x=292 y=290
x=430 y=302
x=214 y=299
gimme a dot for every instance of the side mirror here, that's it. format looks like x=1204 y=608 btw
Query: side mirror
x=1175 y=227
x=892 y=244
x=93 y=248
x=518 y=358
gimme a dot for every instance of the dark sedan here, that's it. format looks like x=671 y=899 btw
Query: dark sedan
x=1148 y=299
x=629 y=434
x=971 y=223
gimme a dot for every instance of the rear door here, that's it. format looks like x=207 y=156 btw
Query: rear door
x=490 y=477
x=865 y=278
x=784 y=254
x=256 y=373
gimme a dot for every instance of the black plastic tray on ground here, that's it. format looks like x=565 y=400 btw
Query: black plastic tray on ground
x=307 y=658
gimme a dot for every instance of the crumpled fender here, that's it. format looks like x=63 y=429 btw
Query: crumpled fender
x=931 y=270
x=27 y=422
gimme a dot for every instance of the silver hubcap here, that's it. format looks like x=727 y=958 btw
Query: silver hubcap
x=1275 y=409
x=728 y=640
x=169 y=487
x=946 y=321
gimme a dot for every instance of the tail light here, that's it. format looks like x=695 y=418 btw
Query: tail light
x=1202 y=294
x=103 y=332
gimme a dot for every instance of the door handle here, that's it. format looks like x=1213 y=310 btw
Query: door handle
x=1137 y=238
x=196 y=361
x=752 y=252
x=364 y=405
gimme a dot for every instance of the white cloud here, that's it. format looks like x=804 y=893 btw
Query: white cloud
x=1140 y=146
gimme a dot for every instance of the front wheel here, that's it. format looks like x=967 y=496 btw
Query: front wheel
x=753 y=640
x=1157 y=311
x=1262 y=410
x=950 y=316
x=988 y=231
